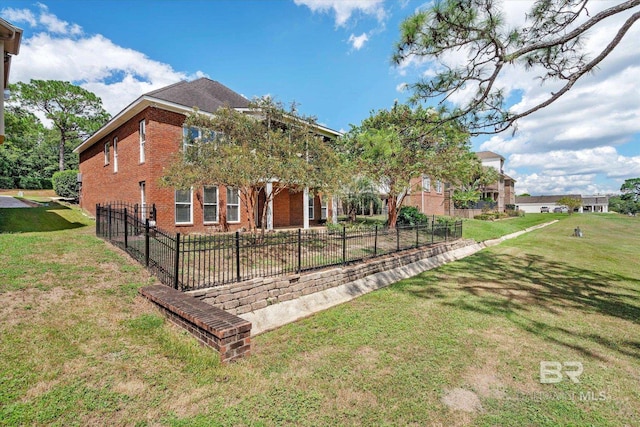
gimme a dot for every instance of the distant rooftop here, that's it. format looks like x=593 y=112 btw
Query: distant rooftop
x=545 y=199
x=488 y=155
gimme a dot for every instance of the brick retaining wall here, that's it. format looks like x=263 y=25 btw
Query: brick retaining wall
x=251 y=295
x=226 y=333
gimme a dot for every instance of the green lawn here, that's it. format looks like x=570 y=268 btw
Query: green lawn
x=485 y=230
x=79 y=347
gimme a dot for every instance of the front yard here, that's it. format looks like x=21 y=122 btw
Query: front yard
x=458 y=345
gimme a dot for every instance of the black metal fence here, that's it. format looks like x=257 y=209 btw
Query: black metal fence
x=189 y=262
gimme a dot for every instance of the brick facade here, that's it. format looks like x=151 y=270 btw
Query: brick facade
x=429 y=201
x=101 y=183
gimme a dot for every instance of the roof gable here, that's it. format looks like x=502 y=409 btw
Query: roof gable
x=205 y=94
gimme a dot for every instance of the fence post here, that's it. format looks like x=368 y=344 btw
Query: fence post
x=397 y=238
x=126 y=221
x=417 y=235
x=98 y=219
x=146 y=243
x=375 y=242
x=109 y=223
x=299 y=250
x=433 y=230
x=238 y=255
x=176 y=261
x=446 y=231
x=344 y=245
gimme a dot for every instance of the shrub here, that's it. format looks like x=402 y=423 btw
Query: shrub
x=410 y=215
x=46 y=184
x=29 y=183
x=65 y=183
x=7 y=182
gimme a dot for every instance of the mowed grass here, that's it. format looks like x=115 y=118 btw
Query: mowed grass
x=486 y=230
x=459 y=345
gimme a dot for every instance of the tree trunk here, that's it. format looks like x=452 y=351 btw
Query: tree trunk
x=61 y=153
x=392 y=217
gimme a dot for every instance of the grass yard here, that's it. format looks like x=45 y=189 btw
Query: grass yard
x=486 y=230
x=459 y=345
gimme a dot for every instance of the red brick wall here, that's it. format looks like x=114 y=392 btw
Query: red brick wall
x=427 y=202
x=163 y=139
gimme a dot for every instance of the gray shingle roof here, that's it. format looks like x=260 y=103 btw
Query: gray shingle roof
x=488 y=155
x=206 y=94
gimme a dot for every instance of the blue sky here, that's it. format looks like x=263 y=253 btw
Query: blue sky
x=333 y=58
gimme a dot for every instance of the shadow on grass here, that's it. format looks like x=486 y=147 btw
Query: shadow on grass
x=39 y=219
x=520 y=289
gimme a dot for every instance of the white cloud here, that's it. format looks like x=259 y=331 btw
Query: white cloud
x=344 y=9
x=358 y=41
x=118 y=75
x=401 y=87
x=19 y=16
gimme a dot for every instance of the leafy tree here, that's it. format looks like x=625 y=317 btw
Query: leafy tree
x=391 y=147
x=246 y=151
x=570 y=203
x=623 y=206
x=472 y=178
x=524 y=195
x=551 y=41
x=631 y=189
x=75 y=112
x=360 y=191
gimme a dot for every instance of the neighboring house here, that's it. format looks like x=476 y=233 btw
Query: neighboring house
x=10 y=38
x=595 y=204
x=502 y=191
x=428 y=195
x=124 y=161
x=537 y=204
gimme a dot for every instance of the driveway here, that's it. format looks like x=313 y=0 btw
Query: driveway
x=11 y=202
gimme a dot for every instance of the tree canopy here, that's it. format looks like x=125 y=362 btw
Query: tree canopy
x=570 y=202
x=551 y=42
x=273 y=144
x=472 y=178
x=391 y=147
x=75 y=112
x=631 y=189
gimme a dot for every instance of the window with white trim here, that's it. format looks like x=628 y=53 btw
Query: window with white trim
x=115 y=154
x=143 y=139
x=324 y=207
x=233 y=205
x=210 y=204
x=184 y=206
x=311 y=210
x=426 y=184
x=191 y=135
x=438 y=186
x=106 y=153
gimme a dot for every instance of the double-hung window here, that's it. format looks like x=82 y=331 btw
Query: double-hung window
x=438 y=186
x=115 y=154
x=192 y=135
x=143 y=139
x=233 y=205
x=426 y=184
x=106 y=153
x=311 y=210
x=323 y=207
x=210 y=204
x=184 y=206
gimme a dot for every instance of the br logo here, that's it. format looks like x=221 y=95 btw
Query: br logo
x=551 y=372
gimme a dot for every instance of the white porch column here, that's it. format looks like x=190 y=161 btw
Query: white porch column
x=268 y=191
x=334 y=210
x=305 y=207
x=2 y=95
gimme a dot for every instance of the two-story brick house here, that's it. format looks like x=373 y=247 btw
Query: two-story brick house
x=124 y=161
x=503 y=190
